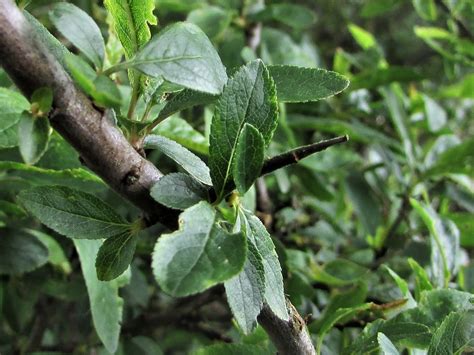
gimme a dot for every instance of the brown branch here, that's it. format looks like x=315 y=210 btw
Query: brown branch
x=295 y=155
x=100 y=143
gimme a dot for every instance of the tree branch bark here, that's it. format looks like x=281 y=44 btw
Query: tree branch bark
x=101 y=145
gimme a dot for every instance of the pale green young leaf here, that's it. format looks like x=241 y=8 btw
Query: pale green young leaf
x=182 y=132
x=41 y=101
x=73 y=213
x=245 y=291
x=455 y=335
x=249 y=156
x=131 y=21
x=179 y=191
x=20 y=252
x=105 y=303
x=81 y=30
x=12 y=104
x=199 y=255
x=363 y=38
x=187 y=160
x=249 y=97
x=115 y=255
x=297 y=84
x=422 y=281
x=182 y=54
x=274 y=292
x=33 y=137
x=386 y=346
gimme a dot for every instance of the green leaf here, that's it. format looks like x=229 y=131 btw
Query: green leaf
x=363 y=38
x=422 y=282
x=455 y=335
x=33 y=137
x=131 y=20
x=386 y=345
x=212 y=20
x=435 y=114
x=81 y=30
x=179 y=191
x=12 y=104
x=274 y=292
x=296 y=16
x=38 y=176
x=249 y=97
x=375 y=77
x=20 y=252
x=426 y=9
x=115 y=255
x=234 y=349
x=182 y=54
x=42 y=101
x=456 y=160
x=183 y=100
x=339 y=272
x=182 y=132
x=445 y=244
x=101 y=88
x=188 y=161
x=465 y=224
x=297 y=84
x=56 y=253
x=105 y=303
x=245 y=292
x=73 y=213
x=249 y=156
x=199 y=255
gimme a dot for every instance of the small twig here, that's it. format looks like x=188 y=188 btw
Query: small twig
x=295 y=155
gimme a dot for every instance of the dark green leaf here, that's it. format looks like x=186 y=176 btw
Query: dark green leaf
x=188 y=161
x=297 y=84
x=73 y=213
x=178 y=191
x=115 y=255
x=33 y=137
x=245 y=292
x=249 y=156
x=249 y=97
x=56 y=255
x=182 y=54
x=455 y=335
x=185 y=99
x=456 y=160
x=374 y=78
x=105 y=303
x=20 y=252
x=292 y=15
x=426 y=9
x=234 y=349
x=465 y=224
x=80 y=30
x=199 y=255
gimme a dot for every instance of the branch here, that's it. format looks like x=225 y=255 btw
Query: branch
x=101 y=145
x=295 y=155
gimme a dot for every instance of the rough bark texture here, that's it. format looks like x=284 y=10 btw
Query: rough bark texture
x=102 y=146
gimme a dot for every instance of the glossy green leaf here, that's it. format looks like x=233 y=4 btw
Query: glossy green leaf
x=297 y=84
x=12 y=105
x=212 y=20
x=20 y=252
x=249 y=97
x=182 y=132
x=445 y=243
x=81 y=30
x=386 y=345
x=182 y=54
x=245 y=292
x=131 y=22
x=105 y=303
x=179 y=191
x=73 y=213
x=33 y=137
x=187 y=160
x=455 y=335
x=56 y=255
x=199 y=255
x=115 y=255
x=274 y=292
x=249 y=156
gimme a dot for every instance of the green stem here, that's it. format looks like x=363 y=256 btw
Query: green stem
x=117 y=67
